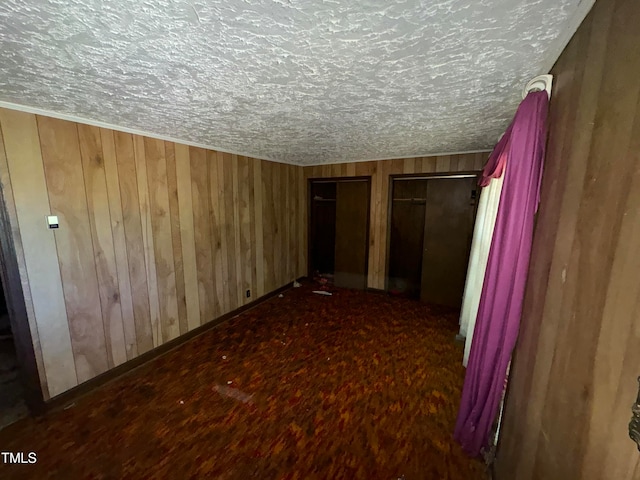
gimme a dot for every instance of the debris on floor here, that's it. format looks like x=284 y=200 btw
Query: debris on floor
x=234 y=393
x=296 y=284
x=323 y=279
x=322 y=292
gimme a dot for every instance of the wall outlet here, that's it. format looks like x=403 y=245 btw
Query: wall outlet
x=248 y=293
x=52 y=221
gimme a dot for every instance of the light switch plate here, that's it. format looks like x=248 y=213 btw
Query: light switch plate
x=52 y=221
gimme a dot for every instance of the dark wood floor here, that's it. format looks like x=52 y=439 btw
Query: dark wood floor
x=353 y=385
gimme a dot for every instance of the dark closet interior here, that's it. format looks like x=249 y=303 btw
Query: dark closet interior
x=406 y=240
x=339 y=230
x=322 y=232
x=430 y=233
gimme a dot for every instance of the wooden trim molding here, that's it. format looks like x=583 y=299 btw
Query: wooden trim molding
x=18 y=319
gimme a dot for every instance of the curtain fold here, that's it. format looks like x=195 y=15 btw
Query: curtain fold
x=491 y=182
x=498 y=319
x=480 y=245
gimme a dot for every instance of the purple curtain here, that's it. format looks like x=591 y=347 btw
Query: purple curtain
x=521 y=151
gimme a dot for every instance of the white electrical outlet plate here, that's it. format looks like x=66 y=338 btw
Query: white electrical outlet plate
x=52 y=221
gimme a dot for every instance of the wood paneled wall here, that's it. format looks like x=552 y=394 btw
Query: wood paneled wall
x=155 y=239
x=380 y=172
x=574 y=372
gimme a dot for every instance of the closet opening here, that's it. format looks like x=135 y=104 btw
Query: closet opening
x=430 y=232
x=339 y=231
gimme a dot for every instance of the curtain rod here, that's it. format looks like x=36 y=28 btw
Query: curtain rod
x=537 y=84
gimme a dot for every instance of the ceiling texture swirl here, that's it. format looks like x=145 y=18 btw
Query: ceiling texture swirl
x=296 y=81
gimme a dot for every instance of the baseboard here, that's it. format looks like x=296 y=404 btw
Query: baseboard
x=65 y=399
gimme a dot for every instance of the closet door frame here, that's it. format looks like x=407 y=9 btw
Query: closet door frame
x=17 y=312
x=312 y=180
x=417 y=176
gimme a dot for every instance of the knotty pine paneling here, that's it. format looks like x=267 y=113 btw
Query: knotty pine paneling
x=187 y=236
x=164 y=253
x=574 y=372
x=40 y=274
x=218 y=240
x=63 y=172
x=103 y=246
x=176 y=239
x=116 y=218
x=124 y=165
x=201 y=207
x=147 y=238
x=380 y=172
x=155 y=239
x=228 y=189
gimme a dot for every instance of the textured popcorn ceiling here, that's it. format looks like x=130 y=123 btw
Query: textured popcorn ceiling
x=299 y=81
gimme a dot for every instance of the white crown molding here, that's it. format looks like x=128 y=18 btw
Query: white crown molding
x=135 y=131
x=442 y=154
x=120 y=128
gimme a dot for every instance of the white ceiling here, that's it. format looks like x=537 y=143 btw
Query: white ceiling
x=298 y=81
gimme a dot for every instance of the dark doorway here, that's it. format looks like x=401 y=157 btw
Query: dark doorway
x=12 y=402
x=430 y=233
x=20 y=389
x=408 y=203
x=352 y=222
x=339 y=230
x=322 y=232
